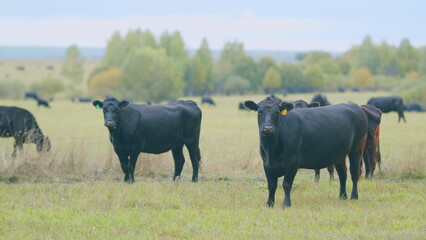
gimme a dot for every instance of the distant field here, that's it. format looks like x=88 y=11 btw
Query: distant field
x=75 y=191
x=37 y=69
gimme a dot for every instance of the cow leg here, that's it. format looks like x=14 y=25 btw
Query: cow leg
x=124 y=162
x=401 y=115
x=272 y=187
x=179 y=161
x=289 y=175
x=131 y=167
x=317 y=175
x=354 y=159
x=18 y=145
x=341 y=171
x=330 y=169
x=194 y=154
x=367 y=161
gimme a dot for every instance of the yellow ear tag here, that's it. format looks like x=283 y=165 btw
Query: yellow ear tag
x=284 y=112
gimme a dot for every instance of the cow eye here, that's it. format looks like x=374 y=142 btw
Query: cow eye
x=260 y=113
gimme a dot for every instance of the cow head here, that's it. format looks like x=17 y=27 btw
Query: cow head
x=268 y=114
x=43 y=144
x=112 y=108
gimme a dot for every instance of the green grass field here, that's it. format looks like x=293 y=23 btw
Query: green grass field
x=76 y=190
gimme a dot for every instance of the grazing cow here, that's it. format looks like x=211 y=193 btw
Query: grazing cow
x=311 y=138
x=322 y=100
x=32 y=95
x=371 y=153
x=21 y=124
x=153 y=129
x=20 y=68
x=414 y=108
x=389 y=104
x=207 y=100
x=42 y=102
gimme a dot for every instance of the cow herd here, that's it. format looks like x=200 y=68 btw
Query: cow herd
x=292 y=135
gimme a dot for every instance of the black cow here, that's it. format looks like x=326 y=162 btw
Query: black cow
x=20 y=68
x=42 y=102
x=413 y=108
x=311 y=138
x=371 y=153
x=154 y=129
x=389 y=104
x=322 y=100
x=21 y=124
x=32 y=95
x=207 y=100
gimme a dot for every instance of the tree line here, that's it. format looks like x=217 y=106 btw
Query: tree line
x=140 y=66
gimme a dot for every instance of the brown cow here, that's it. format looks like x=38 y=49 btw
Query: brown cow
x=371 y=153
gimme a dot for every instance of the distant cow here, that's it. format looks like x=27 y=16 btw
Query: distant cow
x=42 y=102
x=153 y=129
x=32 y=95
x=371 y=154
x=20 y=68
x=413 y=108
x=389 y=104
x=322 y=100
x=311 y=138
x=50 y=67
x=207 y=100
x=21 y=124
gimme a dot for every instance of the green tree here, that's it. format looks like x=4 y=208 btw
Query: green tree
x=272 y=79
x=422 y=62
x=389 y=65
x=408 y=57
x=72 y=67
x=366 y=56
x=148 y=74
x=235 y=61
x=236 y=84
x=292 y=77
x=174 y=46
x=314 y=76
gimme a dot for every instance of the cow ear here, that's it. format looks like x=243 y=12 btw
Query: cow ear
x=288 y=106
x=251 y=105
x=314 y=104
x=97 y=104
x=123 y=104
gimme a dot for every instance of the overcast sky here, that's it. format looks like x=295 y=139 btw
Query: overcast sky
x=331 y=25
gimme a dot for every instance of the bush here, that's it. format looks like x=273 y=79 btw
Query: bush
x=48 y=86
x=12 y=90
x=106 y=83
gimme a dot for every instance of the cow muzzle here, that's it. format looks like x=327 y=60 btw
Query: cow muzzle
x=267 y=131
x=110 y=124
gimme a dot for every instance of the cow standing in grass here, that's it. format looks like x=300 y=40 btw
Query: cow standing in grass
x=389 y=104
x=310 y=138
x=154 y=129
x=20 y=124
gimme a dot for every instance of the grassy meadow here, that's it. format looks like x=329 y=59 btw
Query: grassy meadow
x=76 y=190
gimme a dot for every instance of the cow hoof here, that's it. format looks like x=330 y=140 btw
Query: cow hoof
x=343 y=196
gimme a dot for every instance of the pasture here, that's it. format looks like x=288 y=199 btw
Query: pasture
x=76 y=190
